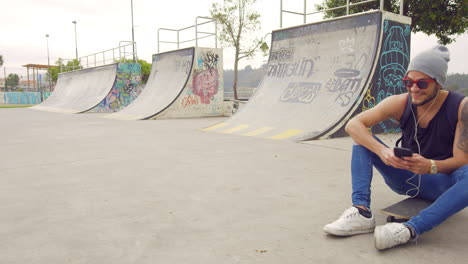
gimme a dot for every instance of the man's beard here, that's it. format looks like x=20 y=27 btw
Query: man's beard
x=427 y=100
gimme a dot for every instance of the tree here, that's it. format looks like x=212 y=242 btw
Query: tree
x=457 y=82
x=446 y=19
x=12 y=80
x=1 y=64
x=236 y=20
x=61 y=67
x=460 y=79
x=145 y=68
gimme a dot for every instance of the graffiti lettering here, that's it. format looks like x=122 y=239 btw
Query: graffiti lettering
x=396 y=45
x=361 y=63
x=346 y=73
x=282 y=54
x=346 y=45
x=210 y=60
x=183 y=66
x=300 y=68
x=126 y=88
x=357 y=62
x=189 y=100
x=129 y=86
x=346 y=88
x=301 y=92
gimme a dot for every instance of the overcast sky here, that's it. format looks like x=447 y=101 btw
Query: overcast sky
x=102 y=24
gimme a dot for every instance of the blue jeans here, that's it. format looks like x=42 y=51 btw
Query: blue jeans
x=449 y=192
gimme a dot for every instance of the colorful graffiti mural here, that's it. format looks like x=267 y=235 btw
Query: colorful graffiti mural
x=391 y=68
x=126 y=88
x=393 y=62
x=205 y=81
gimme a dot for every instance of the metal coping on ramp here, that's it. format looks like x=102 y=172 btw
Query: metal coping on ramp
x=106 y=88
x=319 y=75
x=183 y=83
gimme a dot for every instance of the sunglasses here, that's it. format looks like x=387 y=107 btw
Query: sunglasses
x=422 y=84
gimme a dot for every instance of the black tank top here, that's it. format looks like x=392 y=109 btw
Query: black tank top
x=436 y=140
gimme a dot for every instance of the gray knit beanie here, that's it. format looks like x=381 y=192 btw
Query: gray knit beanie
x=432 y=62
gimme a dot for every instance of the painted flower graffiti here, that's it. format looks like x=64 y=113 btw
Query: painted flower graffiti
x=205 y=85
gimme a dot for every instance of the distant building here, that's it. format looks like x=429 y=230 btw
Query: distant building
x=24 y=85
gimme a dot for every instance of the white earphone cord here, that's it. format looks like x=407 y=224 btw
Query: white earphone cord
x=417 y=187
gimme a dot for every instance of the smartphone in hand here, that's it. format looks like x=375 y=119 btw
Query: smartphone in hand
x=402 y=152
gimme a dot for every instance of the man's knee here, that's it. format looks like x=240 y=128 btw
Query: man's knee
x=461 y=174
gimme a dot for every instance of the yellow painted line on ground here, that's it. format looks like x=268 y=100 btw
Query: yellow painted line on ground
x=234 y=129
x=258 y=131
x=287 y=134
x=215 y=127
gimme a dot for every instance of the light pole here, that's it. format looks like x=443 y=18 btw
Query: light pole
x=76 y=41
x=133 y=33
x=4 y=75
x=48 y=63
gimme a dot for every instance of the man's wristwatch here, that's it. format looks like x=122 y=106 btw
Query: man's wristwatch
x=433 y=169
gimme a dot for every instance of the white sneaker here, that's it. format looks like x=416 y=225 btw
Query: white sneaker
x=390 y=235
x=351 y=222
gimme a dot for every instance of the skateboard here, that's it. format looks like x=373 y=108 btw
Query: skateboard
x=404 y=210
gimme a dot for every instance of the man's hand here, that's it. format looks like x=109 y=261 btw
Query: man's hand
x=388 y=157
x=416 y=164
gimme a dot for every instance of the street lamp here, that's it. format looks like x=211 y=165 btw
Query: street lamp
x=48 y=63
x=76 y=42
x=133 y=33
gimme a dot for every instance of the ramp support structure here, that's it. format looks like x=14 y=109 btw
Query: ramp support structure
x=205 y=34
x=105 y=57
x=347 y=6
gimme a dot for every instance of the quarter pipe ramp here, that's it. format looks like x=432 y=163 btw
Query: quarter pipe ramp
x=106 y=88
x=318 y=75
x=183 y=83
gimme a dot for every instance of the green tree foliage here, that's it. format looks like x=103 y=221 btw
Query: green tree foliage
x=236 y=20
x=12 y=81
x=248 y=77
x=54 y=71
x=145 y=68
x=458 y=82
x=1 y=64
x=446 y=19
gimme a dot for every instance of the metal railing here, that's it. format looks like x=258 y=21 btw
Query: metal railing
x=347 y=6
x=197 y=32
x=123 y=51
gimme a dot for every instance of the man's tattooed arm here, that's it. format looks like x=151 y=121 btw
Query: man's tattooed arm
x=463 y=126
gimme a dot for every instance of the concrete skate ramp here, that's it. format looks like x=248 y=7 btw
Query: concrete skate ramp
x=80 y=91
x=316 y=74
x=183 y=83
x=126 y=88
x=169 y=74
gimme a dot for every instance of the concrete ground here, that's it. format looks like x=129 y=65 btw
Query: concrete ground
x=84 y=189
